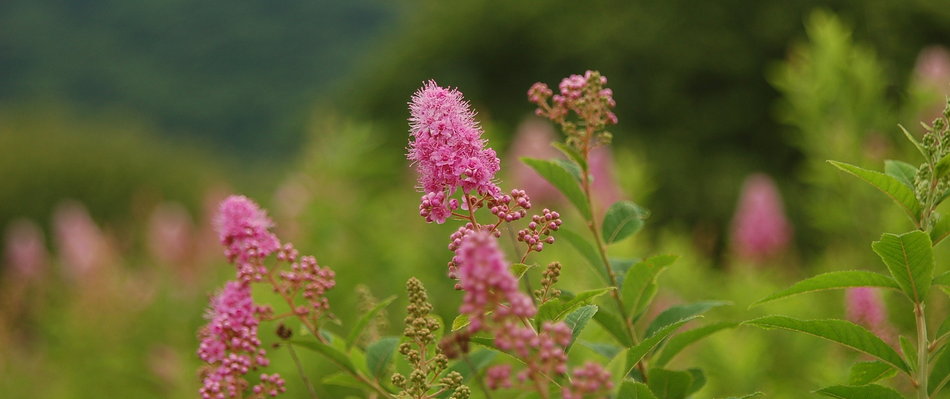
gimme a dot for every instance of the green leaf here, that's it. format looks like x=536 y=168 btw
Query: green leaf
x=364 y=320
x=833 y=280
x=562 y=178
x=840 y=331
x=614 y=325
x=571 y=153
x=942 y=279
x=863 y=373
x=940 y=374
x=684 y=339
x=902 y=171
x=578 y=319
x=622 y=219
x=478 y=359
x=460 y=322
x=749 y=396
x=907 y=348
x=669 y=384
x=556 y=309
x=636 y=292
x=913 y=141
x=889 y=185
x=343 y=380
x=634 y=390
x=636 y=353
x=944 y=329
x=617 y=366
x=331 y=353
x=679 y=312
x=620 y=267
x=570 y=167
x=379 y=354
x=910 y=259
x=699 y=380
x=606 y=350
x=586 y=250
x=941 y=228
x=519 y=269
x=860 y=392
x=942 y=167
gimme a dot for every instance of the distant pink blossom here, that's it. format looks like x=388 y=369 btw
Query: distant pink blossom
x=244 y=230
x=533 y=140
x=604 y=186
x=170 y=233
x=81 y=245
x=759 y=228
x=447 y=147
x=231 y=348
x=499 y=376
x=933 y=68
x=25 y=249
x=865 y=307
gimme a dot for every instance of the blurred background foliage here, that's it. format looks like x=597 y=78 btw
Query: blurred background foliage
x=147 y=113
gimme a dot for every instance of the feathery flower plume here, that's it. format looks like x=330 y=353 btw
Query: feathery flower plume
x=231 y=348
x=81 y=244
x=488 y=284
x=448 y=150
x=865 y=307
x=244 y=230
x=170 y=233
x=759 y=228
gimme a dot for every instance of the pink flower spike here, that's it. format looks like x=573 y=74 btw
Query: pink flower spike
x=447 y=147
x=760 y=229
x=244 y=230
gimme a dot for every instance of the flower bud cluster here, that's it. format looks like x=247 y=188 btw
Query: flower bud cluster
x=539 y=230
x=231 y=348
x=588 y=98
x=549 y=278
x=434 y=208
x=542 y=352
x=306 y=278
x=931 y=185
x=497 y=377
x=506 y=207
x=420 y=329
x=590 y=380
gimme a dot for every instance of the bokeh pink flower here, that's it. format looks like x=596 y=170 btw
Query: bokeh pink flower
x=760 y=229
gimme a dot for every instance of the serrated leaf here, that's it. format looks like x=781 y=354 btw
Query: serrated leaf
x=571 y=153
x=859 y=392
x=682 y=340
x=840 y=331
x=364 y=320
x=379 y=354
x=614 y=325
x=679 y=312
x=622 y=219
x=634 y=292
x=636 y=353
x=942 y=279
x=940 y=374
x=620 y=268
x=617 y=366
x=519 y=269
x=889 y=185
x=902 y=171
x=561 y=178
x=577 y=320
x=907 y=348
x=863 y=373
x=634 y=390
x=669 y=384
x=331 y=353
x=586 y=250
x=570 y=167
x=944 y=328
x=833 y=280
x=910 y=259
x=460 y=321
x=606 y=350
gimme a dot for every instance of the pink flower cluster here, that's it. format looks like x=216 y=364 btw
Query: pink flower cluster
x=543 y=351
x=448 y=149
x=307 y=278
x=583 y=94
x=760 y=229
x=229 y=344
x=589 y=379
x=244 y=230
x=488 y=284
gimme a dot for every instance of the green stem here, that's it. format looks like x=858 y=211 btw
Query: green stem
x=303 y=376
x=922 y=351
